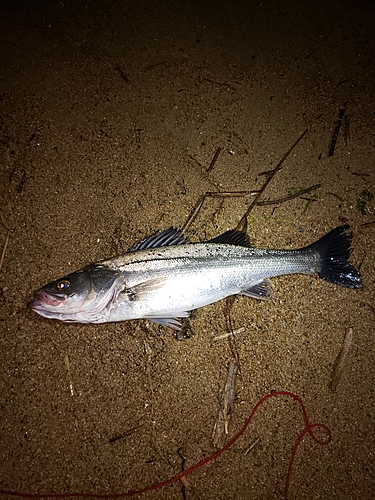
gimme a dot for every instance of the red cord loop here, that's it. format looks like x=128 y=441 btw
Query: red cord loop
x=308 y=430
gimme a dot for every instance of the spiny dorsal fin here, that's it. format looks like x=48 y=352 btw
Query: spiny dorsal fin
x=169 y=237
x=232 y=237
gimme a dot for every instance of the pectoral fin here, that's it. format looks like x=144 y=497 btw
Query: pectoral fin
x=143 y=290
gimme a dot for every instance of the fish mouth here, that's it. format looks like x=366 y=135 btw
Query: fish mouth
x=42 y=300
x=48 y=306
x=54 y=306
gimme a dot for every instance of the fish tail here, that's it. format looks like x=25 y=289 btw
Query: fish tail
x=334 y=249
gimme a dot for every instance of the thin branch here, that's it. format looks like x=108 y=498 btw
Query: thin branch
x=4 y=250
x=290 y=197
x=216 y=156
x=337 y=130
x=243 y=221
x=339 y=363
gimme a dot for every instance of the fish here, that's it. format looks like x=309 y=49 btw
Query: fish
x=165 y=276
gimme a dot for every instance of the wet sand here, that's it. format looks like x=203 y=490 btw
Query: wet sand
x=111 y=114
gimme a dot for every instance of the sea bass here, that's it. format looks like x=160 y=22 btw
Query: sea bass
x=165 y=276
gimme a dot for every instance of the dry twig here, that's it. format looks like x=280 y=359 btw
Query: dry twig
x=216 y=156
x=337 y=130
x=243 y=221
x=4 y=250
x=67 y=365
x=222 y=423
x=228 y=334
x=290 y=197
x=339 y=363
x=249 y=448
x=214 y=194
x=128 y=432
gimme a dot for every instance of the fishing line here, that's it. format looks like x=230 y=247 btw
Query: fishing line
x=308 y=430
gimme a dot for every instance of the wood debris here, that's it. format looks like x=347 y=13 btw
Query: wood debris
x=216 y=156
x=290 y=197
x=249 y=448
x=337 y=130
x=228 y=334
x=221 y=428
x=67 y=365
x=4 y=250
x=270 y=175
x=340 y=360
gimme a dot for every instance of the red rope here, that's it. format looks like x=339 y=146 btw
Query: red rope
x=308 y=430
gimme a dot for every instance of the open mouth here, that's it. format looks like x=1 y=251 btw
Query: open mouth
x=43 y=299
x=89 y=306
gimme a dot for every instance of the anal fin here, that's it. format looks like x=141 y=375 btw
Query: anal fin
x=171 y=322
x=261 y=290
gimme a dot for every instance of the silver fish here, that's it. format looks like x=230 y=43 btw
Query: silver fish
x=164 y=277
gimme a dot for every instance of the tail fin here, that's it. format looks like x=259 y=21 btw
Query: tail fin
x=334 y=249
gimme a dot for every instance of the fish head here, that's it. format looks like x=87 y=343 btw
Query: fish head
x=84 y=296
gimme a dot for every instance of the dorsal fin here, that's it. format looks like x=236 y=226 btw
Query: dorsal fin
x=232 y=237
x=169 y=237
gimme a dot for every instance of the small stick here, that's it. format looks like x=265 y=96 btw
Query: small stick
x=290 y=197
x=216 y=156
x=227 y=397
x=339 y=363
x=347 y=130
x=257 y=193
x=122 y=74
x=128 y=432
x=337 y=130
x=269 y=179
x=152 y=66
x=231 y=194
x=248 y=450
x=214 y=194
x=336 y=196
x=224 y=84
x=184 y=479
x=4 y=250
x=67 y=364
x=22 y=182
x=194 y=213
x=228 y=334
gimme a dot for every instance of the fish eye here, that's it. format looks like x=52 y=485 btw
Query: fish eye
x=63 y=284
